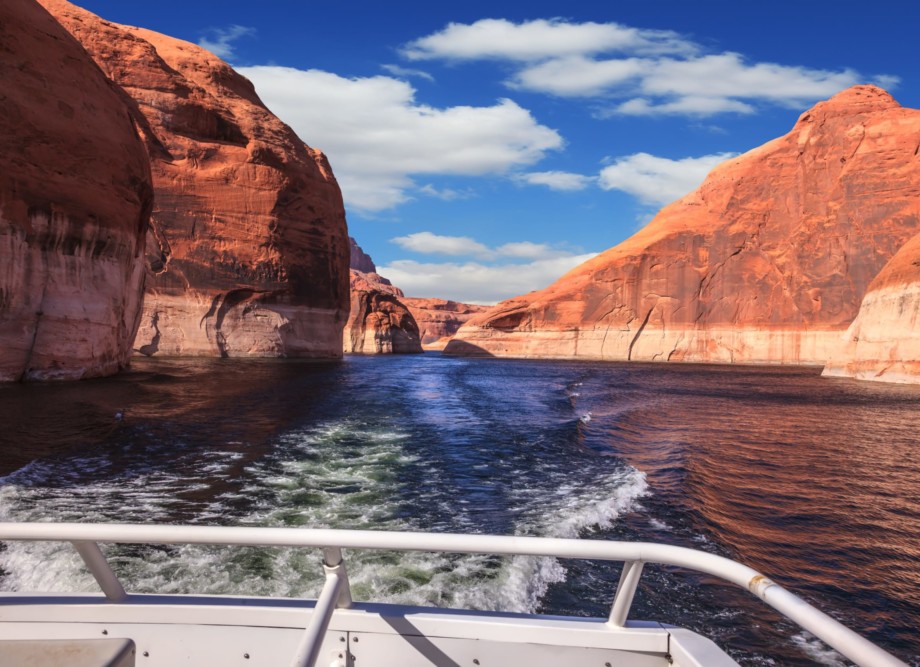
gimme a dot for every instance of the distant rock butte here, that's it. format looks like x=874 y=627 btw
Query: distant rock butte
x=438 y=320
x=766 y=262
x=883 y=343
x=75 y=199
x=379 y=322
x=248 y=248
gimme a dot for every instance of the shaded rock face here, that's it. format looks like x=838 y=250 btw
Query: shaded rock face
x=247 y=248
x=75 y=199
x=438 y=320
x=766 y=262
x=883 y=343
x=378 y=322
x=360 y=260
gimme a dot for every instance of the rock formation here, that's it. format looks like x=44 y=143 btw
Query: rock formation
x=248 y=249
x=379 y=322
x=883 y=343
x=438 y=320
x=766 y=262
x=75 y=198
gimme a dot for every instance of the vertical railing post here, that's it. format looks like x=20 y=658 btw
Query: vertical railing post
x=102 y=572
x=335 y=593
x=334 y=563
x=626 y=590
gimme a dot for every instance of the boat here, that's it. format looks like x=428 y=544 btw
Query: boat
x=115 y=628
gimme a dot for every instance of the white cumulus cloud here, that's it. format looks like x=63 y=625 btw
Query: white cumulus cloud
x=378 y=136
x=540 y=39
x=649 y=72
x=435 y=244
x=475 y=282
x=657 y=180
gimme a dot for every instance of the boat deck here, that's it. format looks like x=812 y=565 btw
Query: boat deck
x=334 y=630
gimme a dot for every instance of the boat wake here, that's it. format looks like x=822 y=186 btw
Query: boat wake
x=345 y=474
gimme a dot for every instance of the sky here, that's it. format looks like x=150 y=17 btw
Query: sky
x=485 y=148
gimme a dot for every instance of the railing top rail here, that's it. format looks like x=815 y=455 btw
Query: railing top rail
x=389 y=540
x=850 y=644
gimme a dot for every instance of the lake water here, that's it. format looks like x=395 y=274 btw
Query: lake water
x=813 y=481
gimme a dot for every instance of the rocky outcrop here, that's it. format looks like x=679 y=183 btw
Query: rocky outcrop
x=75 y=198
x=378 y=322
x=767 y=262
x=360 y=260
x=248 y=248
x=883 y=343
x=438 y=320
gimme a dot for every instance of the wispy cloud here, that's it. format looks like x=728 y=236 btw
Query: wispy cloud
x=562 y=181
x=406 y=72
x=657 y=180
x=379 y=137
x=219 y=41
x=642 y=72
x=428 y=243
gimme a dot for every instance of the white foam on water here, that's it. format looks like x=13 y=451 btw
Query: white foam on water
x=818 y=651
x=659 y=525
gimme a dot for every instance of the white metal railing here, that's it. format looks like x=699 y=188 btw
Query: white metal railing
x=336 y=591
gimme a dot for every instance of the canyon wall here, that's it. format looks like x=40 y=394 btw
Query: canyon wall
x=247 y=249
x=75 y=200
x=883 y=343
x=766 y=262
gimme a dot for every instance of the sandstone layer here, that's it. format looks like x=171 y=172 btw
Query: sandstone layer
x=438 y=320
x=75 y=198
x=766 y=262
x=247 y=248
x=378 y=322
x=883 y=343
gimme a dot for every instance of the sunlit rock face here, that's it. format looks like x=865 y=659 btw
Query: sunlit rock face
x=379 y=321
x=248 y=248
x=766 y=262
x=883 y=343
x=75 y=200
x=438 y=319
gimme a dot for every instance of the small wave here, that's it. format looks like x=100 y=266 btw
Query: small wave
x=585 y=418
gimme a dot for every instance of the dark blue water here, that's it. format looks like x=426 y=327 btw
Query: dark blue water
x=813 y=481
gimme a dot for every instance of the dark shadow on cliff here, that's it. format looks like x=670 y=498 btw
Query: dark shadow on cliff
x=461 y=348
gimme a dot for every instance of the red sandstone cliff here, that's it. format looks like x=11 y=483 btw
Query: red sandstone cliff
x=378 y=322
x=883 y=343
x=766 y=262
x=438 y=320
x=75 y=198
x=248 y=249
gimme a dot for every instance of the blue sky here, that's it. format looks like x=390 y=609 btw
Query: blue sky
x=484 y=148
